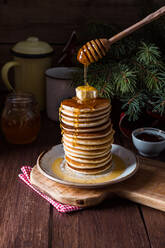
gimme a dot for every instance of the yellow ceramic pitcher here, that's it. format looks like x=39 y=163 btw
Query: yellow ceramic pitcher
x=31 y=59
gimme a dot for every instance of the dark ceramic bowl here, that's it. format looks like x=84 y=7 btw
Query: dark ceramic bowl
x=150 y=148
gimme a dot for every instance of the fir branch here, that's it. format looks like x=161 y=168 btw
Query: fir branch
x=123 y=48
x=106 y=90
x=101 y=78
x=151 y=76
x=134 y=104
x=148 y=54
x=151 y=79
x=125 y=79
x=160 y=107
x=158 y=102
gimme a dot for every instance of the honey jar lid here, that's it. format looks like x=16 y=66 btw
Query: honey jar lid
x=32 y=47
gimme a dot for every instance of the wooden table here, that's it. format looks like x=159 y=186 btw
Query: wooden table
x=28 y=221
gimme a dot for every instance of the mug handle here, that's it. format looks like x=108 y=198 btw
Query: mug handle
x=4 y=73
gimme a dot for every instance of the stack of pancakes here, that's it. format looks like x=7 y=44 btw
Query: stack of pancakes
x=87 y=135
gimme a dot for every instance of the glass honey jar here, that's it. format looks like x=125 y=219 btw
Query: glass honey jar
x=20 y=120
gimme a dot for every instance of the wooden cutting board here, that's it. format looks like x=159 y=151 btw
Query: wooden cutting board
x=146 y=187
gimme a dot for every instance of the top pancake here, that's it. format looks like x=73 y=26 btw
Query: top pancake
x=93 y=105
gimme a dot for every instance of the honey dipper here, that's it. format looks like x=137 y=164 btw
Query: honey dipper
x=94 y=50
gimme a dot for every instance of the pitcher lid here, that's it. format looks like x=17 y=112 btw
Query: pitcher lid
x=32 y=47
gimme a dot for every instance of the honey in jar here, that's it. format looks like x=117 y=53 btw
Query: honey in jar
x=20 y=118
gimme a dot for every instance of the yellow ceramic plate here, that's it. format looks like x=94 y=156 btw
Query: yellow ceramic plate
x=52 y=165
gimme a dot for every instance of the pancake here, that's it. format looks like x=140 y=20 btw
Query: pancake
x=84 y=119
x=87 y=142
x=81 y=165
x=102 y=127
x=92 y=135
x=86 y=114
x=77 y=124
x=90 y=171
x=86 y=152
x=87 y=134
x=74 y=105
x=80 y=155
x=88 y=147
x=89 y=160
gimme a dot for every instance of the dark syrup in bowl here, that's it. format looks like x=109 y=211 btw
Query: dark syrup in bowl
x=144 y=136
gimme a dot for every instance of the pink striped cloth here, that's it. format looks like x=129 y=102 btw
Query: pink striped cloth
x=25 y=177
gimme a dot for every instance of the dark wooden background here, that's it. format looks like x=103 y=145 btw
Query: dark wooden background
x=53 y=21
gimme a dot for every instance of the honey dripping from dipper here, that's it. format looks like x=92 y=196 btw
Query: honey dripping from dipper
x=85 y=74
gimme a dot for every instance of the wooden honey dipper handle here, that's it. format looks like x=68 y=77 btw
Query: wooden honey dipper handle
x=94 y=50
x=155 y=15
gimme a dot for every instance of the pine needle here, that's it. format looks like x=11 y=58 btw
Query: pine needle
x=148 y=54
x=125 y=79
x=134 y=105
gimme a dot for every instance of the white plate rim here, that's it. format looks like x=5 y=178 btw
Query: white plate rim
x=87 y=185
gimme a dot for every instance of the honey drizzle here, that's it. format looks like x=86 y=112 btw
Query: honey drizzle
x=77 y=111
x=85 y=74
x=62 y=131
x=76 y=125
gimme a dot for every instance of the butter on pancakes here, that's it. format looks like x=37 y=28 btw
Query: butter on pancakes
x=87 y=132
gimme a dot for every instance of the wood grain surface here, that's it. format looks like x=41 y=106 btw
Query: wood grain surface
x=54 y=21
x=146 y=187
x=89 y=228
x=28 y=221
x=20 y=223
